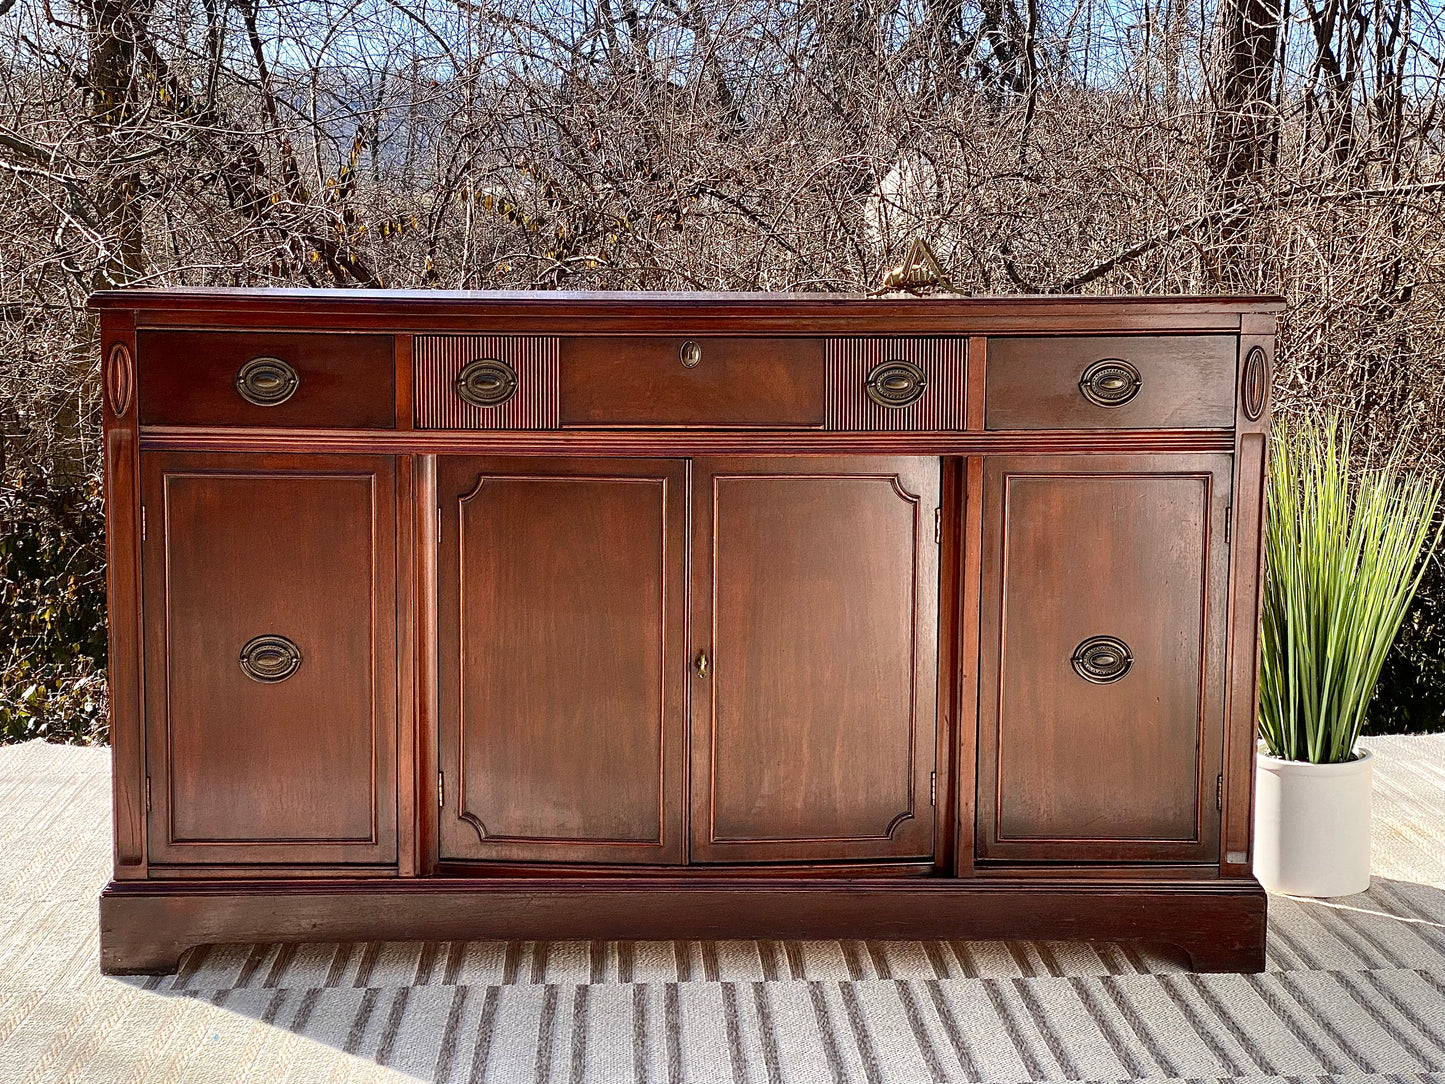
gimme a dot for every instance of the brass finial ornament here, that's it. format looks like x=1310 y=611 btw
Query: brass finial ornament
x=919 y=270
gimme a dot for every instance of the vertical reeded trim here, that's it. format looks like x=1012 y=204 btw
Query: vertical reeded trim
x=849 y=407
x=439 y=359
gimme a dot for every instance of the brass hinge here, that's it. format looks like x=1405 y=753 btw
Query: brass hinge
x=932 y=788
x=1219 y=792
x=1228 y=519
x=142 y=523
x=938 y=526
x=148 y=794
x=439 y=521
x=441 y=790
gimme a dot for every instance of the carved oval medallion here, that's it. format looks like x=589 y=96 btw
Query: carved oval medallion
x=487 y=382
x=269 y=659
x=119 y=379
x=267 y=381
x=895 y=383
x=1102 y=659
x=1110 y=382
x=1254 y=384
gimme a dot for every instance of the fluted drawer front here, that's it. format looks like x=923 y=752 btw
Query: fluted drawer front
x=485 y=381
x=897 y=385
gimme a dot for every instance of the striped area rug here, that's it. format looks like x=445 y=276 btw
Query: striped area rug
x=1355 y=988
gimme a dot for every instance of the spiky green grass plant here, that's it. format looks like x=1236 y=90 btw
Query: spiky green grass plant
x=1344 y=552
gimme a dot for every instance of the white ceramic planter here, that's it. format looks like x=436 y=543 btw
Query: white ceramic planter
x=1312 y=825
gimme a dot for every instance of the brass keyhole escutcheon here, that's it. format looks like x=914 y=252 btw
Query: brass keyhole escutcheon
x=267 y=381
x=690 y=354
x=702 y=665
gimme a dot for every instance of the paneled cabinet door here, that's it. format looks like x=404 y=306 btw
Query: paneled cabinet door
x=814 y=649
x=270 y=677
x=1102 y=653
x=560 y=659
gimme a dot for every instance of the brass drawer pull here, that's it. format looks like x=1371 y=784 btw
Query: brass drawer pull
x=267 y=381
x=896 y=383
x=1111 y=382
x=1102 y=660
x=487 y=382
x=269 y=659
x=690 y=353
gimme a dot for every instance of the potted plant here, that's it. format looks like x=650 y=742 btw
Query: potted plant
x=1344 y=552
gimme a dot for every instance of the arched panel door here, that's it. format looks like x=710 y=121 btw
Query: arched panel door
x=561 y=609
x=815 y=587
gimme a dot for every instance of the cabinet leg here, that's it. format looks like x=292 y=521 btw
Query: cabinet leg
x=1213 y=956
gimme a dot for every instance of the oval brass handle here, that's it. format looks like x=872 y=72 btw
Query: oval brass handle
x=1102 y=660
x=895 y=383
x=267 y=381
x=690 y=353
x=487 y=382
x=270 y=658
x=702 y=664
x=1110 y=382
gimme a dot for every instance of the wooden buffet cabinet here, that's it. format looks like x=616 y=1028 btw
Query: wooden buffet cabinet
x=471 y=615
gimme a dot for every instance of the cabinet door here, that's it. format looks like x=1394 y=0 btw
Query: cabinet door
x=1102 y=653
x=561 y=668
x=270 y=614
x=815 y=588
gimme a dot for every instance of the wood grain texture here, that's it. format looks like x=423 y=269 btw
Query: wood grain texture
x=1187 y=382
x=123 y=599
x=561 y=670
x=942 y=360
x=967 y=557
x=1125 y=547
x=408 y=794
x=439 y=360
x=683 y=442
x=608 y=381
x=691 y=314
x=850 y=655
x=1220 y=924
x=815 y=598
x=1246 y=595
x=189 y=378
x=300 y=770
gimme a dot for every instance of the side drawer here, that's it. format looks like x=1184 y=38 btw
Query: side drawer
x=339 y=381
x=485 y=381
x=1111 y=382
x=678 y=380
x=896 y=385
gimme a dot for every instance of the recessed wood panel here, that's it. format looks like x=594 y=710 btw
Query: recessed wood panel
x=815 y=600
x=1077 y=763
x=635 y=380
x=343 y=381
x=1185 y=381
x=562 y=607
x=298 y=768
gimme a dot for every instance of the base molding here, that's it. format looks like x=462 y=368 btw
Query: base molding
x=145 y=926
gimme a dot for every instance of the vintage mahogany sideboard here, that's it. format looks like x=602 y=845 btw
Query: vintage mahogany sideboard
x=479 y=615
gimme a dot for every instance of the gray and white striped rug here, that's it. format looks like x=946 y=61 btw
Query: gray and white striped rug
x=1355 y=987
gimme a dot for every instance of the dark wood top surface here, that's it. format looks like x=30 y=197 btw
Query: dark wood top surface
x=616 y=312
